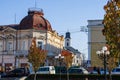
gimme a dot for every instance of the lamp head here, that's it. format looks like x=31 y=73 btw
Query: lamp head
x=98 y=52
x=104 y=48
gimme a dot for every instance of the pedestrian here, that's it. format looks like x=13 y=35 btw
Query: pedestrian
x=98 y=70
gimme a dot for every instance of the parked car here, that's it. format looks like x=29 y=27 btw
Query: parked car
x=2 y=74
x=94 y=72
x=60 y=69
x=116 y=70
x=79 y=70
x=18 y=72
x=102 y=71
x=98 y=71
x=46 y=70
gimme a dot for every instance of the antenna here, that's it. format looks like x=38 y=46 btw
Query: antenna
x=35 y=4
x=15 y=18
x=67 y=30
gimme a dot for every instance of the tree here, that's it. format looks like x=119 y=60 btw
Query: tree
x=36 y=56
x=111 y=31
x=68 y=58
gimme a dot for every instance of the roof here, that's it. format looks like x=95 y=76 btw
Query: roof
x=14 y=26
x=72 y=50
x=35 y=20
x=65 y=53
x=67 y=35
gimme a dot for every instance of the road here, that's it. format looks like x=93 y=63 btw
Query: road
x=14 y=78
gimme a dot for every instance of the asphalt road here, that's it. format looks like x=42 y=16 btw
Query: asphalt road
x=8 y=78
x=13 y=78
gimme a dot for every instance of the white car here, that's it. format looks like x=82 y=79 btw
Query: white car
x=116 y=70
x=46 y=70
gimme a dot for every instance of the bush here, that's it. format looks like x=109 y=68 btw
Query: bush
x=71 y=77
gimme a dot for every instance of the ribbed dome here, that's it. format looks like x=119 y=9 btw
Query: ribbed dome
x=35 y=20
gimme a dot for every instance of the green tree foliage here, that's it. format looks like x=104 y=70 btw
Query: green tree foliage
x=36 y=56
x=111 y=29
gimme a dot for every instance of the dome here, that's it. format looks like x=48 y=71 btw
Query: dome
x=35 y=20
x=67 y=35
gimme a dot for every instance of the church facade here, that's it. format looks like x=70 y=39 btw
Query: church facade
x=77 y=56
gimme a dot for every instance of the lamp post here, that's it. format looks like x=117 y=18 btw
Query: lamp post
x=2 y=62
x=103 y=54
x=59 y=57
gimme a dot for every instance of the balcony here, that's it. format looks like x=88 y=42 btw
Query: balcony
x=22 y=53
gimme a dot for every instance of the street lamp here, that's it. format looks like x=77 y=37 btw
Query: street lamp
x=103 y=54
x=60 y=58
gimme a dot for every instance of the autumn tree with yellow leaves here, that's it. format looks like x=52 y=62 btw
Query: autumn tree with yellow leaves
x=111 y=31
x=36 y=55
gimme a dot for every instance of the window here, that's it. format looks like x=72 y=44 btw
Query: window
x=10 y=46
x=39 y=26
x=23 y=45
x=39 y=44
x=67 y=39
x=67 y=44
x=1 y=46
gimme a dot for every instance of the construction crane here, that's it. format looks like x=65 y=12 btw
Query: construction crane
x=82 y=29
x=72 y=31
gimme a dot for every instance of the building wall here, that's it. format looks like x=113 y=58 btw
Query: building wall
x=77 y=59
x=96 y=41
x=15 y=52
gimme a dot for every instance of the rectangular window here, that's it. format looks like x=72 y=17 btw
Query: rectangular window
x=39 y=44
x=1 y=47
x=10 y=46
x=23 y=45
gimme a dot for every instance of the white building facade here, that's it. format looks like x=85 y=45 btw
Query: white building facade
x=15 y=40
x=77 y=56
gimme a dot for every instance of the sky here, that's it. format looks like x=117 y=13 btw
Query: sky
x=63 y=15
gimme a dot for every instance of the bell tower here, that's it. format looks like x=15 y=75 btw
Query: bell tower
x=67 y=39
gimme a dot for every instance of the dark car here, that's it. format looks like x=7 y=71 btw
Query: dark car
x=100 y=71
x=79 y=70
x=18 y=72
x=2 y=74
x=116 y=70
x=60 y=69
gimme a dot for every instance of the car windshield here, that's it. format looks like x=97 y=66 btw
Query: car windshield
x=18 y=71
x=43 y=69
x=117 y=69
x=75 y=71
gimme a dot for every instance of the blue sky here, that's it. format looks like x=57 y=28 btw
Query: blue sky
x=64 y=15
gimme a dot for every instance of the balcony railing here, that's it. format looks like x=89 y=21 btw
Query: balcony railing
x=35 y=9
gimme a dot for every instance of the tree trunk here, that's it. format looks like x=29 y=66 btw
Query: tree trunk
x=110 y=76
